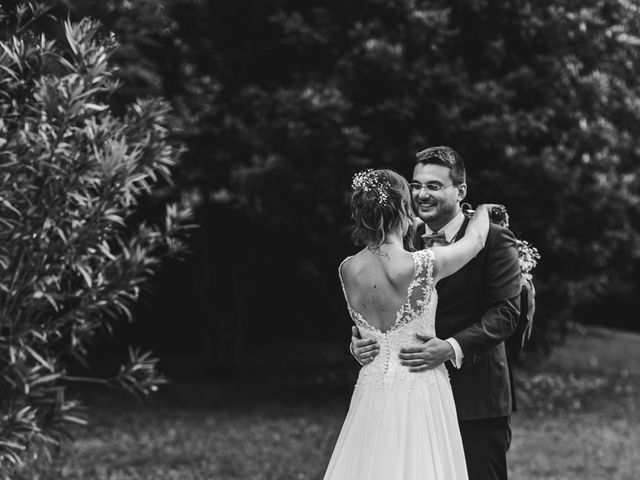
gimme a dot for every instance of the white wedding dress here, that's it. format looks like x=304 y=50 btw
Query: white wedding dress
x=400 y=425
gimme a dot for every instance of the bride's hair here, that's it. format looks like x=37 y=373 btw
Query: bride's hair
x=380 y=203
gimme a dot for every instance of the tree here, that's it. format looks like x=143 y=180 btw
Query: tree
x=539 y=98
x=284 y=101
x=73 y=255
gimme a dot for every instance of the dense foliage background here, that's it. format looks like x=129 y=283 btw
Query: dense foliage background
x=282 y=101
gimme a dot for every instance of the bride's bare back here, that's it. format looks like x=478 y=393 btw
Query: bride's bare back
x=376 y=285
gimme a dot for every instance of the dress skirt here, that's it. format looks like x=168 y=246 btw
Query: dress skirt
x=405 y=428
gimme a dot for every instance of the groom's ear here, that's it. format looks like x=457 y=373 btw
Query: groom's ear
x=462 y=191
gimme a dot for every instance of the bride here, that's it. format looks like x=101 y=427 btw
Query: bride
x=400 y=425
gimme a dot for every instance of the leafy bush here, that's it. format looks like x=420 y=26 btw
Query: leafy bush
x=72 y=259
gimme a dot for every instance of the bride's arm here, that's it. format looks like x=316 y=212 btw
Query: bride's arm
x=451 y=258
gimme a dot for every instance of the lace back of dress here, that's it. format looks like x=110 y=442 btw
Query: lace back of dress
x=419 y=293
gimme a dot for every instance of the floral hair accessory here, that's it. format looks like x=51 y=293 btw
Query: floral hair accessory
x=370 y=181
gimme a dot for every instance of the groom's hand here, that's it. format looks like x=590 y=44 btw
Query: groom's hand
x=432 y=353
x=364 y=350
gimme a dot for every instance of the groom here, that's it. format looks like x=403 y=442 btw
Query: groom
x=478 y=308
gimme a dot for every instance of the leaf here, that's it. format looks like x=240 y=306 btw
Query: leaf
x=8 y=205
x=10 y=444
x=85 y=274
x=10 y=72
x=69 y=66
x=96 y=107
x=74 y=419
x=115 y=219
x=39 y=358
x=46 y=379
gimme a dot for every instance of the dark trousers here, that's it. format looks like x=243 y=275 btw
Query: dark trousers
x=486 y=442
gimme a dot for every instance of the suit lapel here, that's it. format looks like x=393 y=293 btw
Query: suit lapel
x=462 y=230
x=458 y=236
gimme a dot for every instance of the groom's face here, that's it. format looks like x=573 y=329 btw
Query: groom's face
x=436 y=207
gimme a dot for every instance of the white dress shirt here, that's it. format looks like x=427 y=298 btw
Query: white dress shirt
x=450 y=231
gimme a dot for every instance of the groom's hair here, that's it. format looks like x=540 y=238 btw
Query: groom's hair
x=447 y=157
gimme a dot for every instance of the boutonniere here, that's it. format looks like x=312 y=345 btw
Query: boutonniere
x=528 y=257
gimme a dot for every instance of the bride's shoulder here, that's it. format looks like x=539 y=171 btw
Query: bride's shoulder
x=351 y=262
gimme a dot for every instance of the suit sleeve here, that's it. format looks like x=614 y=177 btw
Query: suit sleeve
x=502 y=293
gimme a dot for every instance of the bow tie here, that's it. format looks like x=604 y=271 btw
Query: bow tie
x=431 y=239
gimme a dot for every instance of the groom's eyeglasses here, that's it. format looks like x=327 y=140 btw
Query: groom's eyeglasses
x=430 y=186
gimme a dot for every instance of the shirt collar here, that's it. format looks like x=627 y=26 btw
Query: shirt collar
x=450 y=229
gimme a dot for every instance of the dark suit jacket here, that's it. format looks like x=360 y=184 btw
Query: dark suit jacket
x=479 y=306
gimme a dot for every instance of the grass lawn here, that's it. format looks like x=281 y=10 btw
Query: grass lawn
x=578 y=418
x=580 y=415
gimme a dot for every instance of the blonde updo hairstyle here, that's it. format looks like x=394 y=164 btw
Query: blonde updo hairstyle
x=380 y=202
